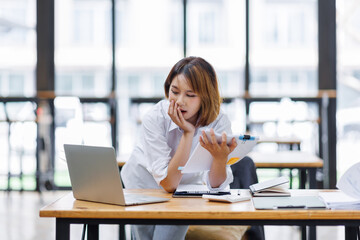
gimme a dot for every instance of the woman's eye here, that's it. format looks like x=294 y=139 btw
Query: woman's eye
x=174 y=92
x=191 y=95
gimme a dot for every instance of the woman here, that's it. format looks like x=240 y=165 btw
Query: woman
x=169 y=133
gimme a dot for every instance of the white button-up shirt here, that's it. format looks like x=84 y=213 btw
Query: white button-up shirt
x=158 y=140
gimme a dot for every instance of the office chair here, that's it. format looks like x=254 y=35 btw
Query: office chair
x=244 y=173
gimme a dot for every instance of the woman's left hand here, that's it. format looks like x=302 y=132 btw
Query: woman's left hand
x=219 y=151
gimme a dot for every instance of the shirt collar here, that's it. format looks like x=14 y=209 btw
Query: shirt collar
x=173 y=126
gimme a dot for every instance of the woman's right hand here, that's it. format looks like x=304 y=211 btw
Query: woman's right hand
x=177 y=117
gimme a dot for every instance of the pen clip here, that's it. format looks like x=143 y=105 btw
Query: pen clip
x=245 y=138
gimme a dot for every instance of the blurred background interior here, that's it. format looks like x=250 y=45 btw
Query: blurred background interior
x=86 y=71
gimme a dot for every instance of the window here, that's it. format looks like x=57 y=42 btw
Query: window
x=283 y=47
x=176 y=23
x=17 y=78
x=83 y=26
x=82 y=45
x=64 y=84
x=207 y=27
x=216 y=32
x=18 y=44
x=16 y=84
x=151 y=44
x=348 y=83
x=88 y=85
x=83 y=61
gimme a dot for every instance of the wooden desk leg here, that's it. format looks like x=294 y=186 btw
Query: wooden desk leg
x=93 y=232
x=312 y=233
x=308 y=232
x=302 y=178
x=350 y=233
x=121 y=232
x=62 y=229
x=312 y=178
x=303 y=232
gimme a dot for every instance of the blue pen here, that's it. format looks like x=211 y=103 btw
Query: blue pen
x=246 y=137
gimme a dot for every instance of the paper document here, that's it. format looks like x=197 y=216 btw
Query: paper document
x=201 y=159
x=349 y=182
x=339 y=200
x=349 y=195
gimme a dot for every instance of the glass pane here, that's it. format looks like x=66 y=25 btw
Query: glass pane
x=216 y=32
x=83 y=47
x=83 y=60
x=17 y=47
x=348 y=97
x=283 y=47
x=149 y=43
x=87 y=123
x=18 y=145
x=285 y=119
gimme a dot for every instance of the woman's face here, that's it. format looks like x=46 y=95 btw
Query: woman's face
x=188 y=101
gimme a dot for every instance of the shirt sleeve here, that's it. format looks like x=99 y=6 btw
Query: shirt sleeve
x=229 y=179
x=223 y=124
x=156 y=149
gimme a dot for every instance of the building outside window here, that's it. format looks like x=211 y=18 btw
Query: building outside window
x=17 y=79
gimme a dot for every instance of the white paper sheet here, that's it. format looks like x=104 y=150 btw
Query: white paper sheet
x=201 y=159
x=339 y=200
x=349 y=182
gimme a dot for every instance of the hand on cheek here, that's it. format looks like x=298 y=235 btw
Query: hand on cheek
x=177 y=117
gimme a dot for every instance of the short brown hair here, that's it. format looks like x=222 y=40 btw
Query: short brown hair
x=203 y=80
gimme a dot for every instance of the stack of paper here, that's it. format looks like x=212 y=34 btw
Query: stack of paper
x=339 y=200
x=349 y=195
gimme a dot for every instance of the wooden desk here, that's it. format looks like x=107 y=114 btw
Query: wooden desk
x=190 y=211
x=306 y=163
x=290 y=141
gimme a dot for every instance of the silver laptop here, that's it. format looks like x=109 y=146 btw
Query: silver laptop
x=95 y=176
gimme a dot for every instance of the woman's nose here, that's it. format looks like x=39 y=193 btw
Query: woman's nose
x=180 y=100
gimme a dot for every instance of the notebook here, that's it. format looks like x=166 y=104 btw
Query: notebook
x=271 y=188
x=95 y=176
x=197 y=190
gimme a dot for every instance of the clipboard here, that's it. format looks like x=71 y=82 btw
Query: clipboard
x=200 y=159
x=297 y=202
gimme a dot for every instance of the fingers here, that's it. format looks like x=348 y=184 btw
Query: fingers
x=212 y=136
x=204 y=138
x=233 y=145
x=223 y=139
x=173 y=112
x=179 y=114
x=201 y=141
x=171 y=107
